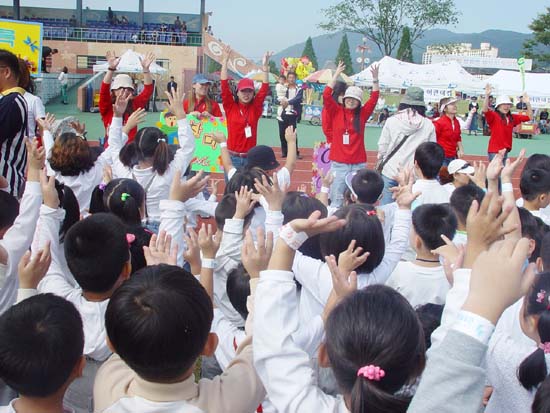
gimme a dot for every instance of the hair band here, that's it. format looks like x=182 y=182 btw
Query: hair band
x=124 y=196
x=545 y=347
x=374 y=373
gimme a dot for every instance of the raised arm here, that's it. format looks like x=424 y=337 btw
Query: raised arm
x=527 y=101
x=224 y=152
x=113 y=62
x=145 y=64
x=226 y=53
x=292 y=155
x=265 y=66
x=485 y=107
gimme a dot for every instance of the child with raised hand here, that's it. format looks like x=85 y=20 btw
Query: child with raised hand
x=362 y=329
x=148 y=159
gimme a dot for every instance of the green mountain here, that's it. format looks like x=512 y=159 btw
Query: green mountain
x=509 y=44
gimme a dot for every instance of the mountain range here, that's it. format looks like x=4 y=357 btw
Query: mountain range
x=509 y=43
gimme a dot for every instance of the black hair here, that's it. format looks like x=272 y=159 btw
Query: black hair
x=226 y=209
x=429 y=157
x=532 y=228
x=158 y=322
x=96 y=250
x=298 y=205
x=149 y=143
x=367 y=185
x=68 y=202
x=238 y=289
x=532 y=371
x=9 y=209
x=430 y=221
x=293 y=74
x=541 y=402
x=338 y=90
x=430 y=318
x=533 y=183
x=41 y=343
x=375 y=326
x=245 y=177
x=10 y=60
x=362 y=225
x=462 y=198
x=545 y=251
x=537 y=161
x=420 y=109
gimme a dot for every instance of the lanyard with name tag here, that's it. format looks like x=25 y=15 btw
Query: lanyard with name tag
x=345 y=138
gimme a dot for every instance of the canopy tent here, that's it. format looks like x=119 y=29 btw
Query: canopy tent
x=437 y=80
x=258 y=76
x=130 y=63
x=537 y=86
x=325 y=76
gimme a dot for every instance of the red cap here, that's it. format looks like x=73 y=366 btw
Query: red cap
x=245 y=84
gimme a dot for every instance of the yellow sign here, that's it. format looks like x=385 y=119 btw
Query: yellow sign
x=24 y=39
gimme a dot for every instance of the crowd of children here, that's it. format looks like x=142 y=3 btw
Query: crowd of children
x=411 y=288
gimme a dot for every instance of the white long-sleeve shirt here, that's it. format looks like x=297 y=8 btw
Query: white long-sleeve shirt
x=35 y=110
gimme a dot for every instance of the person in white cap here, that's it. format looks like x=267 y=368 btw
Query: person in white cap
x=502 y=122
x=461 y=173
x=111 y=88
x=347 y=150
x=448 y=129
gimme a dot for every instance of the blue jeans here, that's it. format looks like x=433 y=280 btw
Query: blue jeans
x=447 y=161
x=493 y=154
x=339 y=171
x=387 y=195
x=239 y=162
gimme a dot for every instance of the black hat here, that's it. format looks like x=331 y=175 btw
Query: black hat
x=262 y=156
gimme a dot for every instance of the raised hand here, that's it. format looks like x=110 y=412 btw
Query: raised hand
x=208 y=242
x=146 y=61
x=193 y=252
x=112 y=59
x=36 y=156
x=137 y=117
x=160 y=250
x=343 y=282
x=121 y=103
x=219 y=137
x=404 y=197
x=327 y=180
x=480 y=174
x=31 y=271
x=511 y=167
x=80 y=128
x=273 y=194
x=495 y=166
x=256 y=258
x=351 y=258
x=265 y=59
x=488 y=89
x=314 y=224
x=290 y=134
x=47 y=122
x=175 y=102
x=49 y=193
x=339 y=69
x=226 y=53
x=374 y=70
x=245 y=203
x=182 y=191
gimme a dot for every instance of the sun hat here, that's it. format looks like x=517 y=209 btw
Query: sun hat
x=460 y=166
x=503 y=100
x=414 y=96
x=201 y=79
x=446 y=101
x=263 y=157
x=354 y=92
x=245 y=84
x=122 y=80
x=349 y=182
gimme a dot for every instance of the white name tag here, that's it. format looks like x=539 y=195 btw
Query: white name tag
x=248 y=132
x=346 y=138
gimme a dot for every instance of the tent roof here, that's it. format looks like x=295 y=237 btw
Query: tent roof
x=508 y=82
x=130 y=63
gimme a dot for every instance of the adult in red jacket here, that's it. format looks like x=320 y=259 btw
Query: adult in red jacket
x=347 y=143
x=243 y=112
x=110 y=89
x=502 y=122
x=199 y=101
x=338 y=92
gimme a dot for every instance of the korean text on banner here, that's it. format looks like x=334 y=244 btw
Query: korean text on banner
x=24 y=39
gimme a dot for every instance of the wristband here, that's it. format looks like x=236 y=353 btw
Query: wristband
x=507 y=187
x=112 y=69
x=474 y=326
x=292 y=238
x=375 y=81
x=144 y=72
x=325 y=190
x=223 y=144
x=209 y=263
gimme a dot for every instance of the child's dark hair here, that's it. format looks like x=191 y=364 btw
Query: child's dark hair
x=537 y=161
x=532 y=228
x=430 y=318
x=532 y=371
x=362 y=225
x=158 y=322
x=68 y=202
x=238 y=289
x=124 y=198
x=245 y=177
x=429 y=157
x=96 y=250
x=534 y=182
x=298 y=205
x=462 y=198
x=375 y=326
x=226 y=210
x=71 y=155
x=41 y=342
x=430 y=221
x=541 y=402
x=9 y=209
x=149 y=143
x=367 y=185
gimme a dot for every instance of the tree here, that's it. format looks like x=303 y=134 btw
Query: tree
x=538 y=47
x=344 y=55
x=382 y=21
x=273 y=68
x=405 y=51
x=309 y=51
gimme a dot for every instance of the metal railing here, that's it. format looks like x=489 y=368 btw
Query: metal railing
x=102 y=35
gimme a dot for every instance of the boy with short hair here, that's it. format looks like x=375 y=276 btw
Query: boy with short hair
x=461 y=201
x=428 y=159
x=423 y=280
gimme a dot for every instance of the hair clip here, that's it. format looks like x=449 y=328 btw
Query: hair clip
x=130 y=238
x=102 y=186
x=540 y=296
x=545 y=347
x=371 y=212
x=124 y=196
x=371 y=372
x=161 y=140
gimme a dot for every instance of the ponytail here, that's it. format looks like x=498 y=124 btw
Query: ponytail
x=541 y=403
x=129 y=155
x=150 y=143
x=123 y=198
x=161 y=157
x=96 y=200
x=368 y=397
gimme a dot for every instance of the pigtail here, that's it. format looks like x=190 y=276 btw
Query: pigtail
x=129 y=154
x=130 y=209
x=368 y=397
x=124 y=197
x=138 y=237
x=541 y=402
x=68 y=202
x=161 y=156
x=533 y=370
x=96 y=200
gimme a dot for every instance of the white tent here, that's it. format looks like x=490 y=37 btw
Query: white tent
x=130 y=63
x=437 y=80
x=508 y=82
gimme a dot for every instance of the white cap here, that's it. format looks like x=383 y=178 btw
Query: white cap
x=354 y=92
x=503 y=100
x=122 y=80
x=460 y=166
x=446 y=101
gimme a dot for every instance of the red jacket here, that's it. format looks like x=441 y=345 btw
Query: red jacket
x=448 y=134
x=501 y=130
x=200 y=106
x=106 y=106
x=342 y=121
x=239 y=116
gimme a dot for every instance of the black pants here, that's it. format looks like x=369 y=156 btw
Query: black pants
x=288 y=120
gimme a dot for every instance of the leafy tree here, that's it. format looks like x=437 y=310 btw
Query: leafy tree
x=382 y=21
x=309 y=51
x=538 y=47
x=213 y=66
x=273 y=68
x=344 y=55
x=405 y=51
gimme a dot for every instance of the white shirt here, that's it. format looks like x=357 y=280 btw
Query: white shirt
x=11 y=409
x=461 y=237
x=35 y=110
x=432 y=192
x=139 y=404
x=450 y=187
x=63 y=78
x=419 y=285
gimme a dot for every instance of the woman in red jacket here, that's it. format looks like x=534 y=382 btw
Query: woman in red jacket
x=347 y=143
x=110 y=89
x=199 y=101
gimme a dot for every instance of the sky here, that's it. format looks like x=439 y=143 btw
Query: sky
x=252 y=27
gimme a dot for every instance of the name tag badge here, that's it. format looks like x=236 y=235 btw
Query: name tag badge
x=346 y=138
x=248 y=132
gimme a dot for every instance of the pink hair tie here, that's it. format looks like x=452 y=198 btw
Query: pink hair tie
x=130 y=238
x=373 y=373
x=371 y=212
x=545 y=347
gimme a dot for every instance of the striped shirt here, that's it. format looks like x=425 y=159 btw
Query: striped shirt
x=13 y=130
